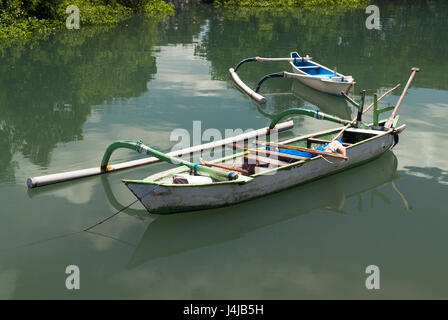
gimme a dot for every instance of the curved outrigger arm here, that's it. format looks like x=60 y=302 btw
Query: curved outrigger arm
x=141 y=148
x=260 y=59
x=243 y=62
x=283 y=74
x=254 y=94
x=306 y=112
x=269 y=76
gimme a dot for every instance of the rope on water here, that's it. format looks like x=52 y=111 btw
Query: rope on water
x=121 y=210
x=64 y=235
x=110 y=217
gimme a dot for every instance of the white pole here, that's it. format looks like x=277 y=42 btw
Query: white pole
x=71 y=175
x=259 y=59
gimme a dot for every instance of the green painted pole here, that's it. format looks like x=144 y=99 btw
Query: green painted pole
x=375 y=110
x=306 y=112
x=367 y=109
x=141 y=148
x=123 y=144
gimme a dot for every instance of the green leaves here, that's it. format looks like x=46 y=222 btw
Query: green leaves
x=22 y=18
x=291 y=3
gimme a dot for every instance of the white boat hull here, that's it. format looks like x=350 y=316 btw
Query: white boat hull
x=323 y=84
x=325 y=80
x=176 y=198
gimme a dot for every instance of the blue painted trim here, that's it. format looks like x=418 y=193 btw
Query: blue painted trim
x=195 y=171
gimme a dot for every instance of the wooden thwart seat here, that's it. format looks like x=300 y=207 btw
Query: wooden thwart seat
x=275 y=162
x=223 y=166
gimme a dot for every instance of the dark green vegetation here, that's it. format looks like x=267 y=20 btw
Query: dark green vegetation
x=334 y=38
x=56 y=82
x=57 y=79
x=20 y=18
x=291 y=3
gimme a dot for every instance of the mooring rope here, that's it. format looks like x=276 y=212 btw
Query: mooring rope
x=64 y=235
x=109 y=217
x=327 y=159
x=121 y=210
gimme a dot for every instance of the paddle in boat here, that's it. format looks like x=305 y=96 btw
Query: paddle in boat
x=254 y=171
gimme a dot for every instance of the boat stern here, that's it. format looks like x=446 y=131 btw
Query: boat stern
x=178 y=193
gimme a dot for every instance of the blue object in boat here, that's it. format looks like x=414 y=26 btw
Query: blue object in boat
x=296 y=152
x=305 y=154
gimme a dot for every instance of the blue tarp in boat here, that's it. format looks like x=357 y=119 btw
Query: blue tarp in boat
x=302 y=153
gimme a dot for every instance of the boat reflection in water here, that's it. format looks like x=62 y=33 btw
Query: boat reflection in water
x=168 y=235
x=327 y=103
x=303 y=96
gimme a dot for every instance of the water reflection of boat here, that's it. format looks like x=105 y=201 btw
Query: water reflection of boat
x=172 y=234
x=303 y=96
x=327 y=103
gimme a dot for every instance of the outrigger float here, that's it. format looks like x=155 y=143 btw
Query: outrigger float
x=253 y=171
x=306 y=71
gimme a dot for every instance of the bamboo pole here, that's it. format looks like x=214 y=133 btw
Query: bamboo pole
x=390 y=120
x=222 y=166
x=34 y=182
x=259 y=158
x=365 y=110
x=268 y=153
x=260 y=59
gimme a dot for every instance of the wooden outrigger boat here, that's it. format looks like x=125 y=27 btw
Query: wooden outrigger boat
x=160 y=193
x=319 y=77
x=305 y=70
x=269 y=171
x=253 y=172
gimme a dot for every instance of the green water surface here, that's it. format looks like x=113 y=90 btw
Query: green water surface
x=65 y=97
